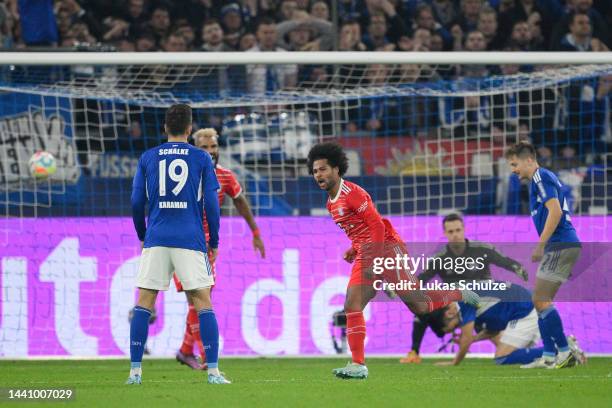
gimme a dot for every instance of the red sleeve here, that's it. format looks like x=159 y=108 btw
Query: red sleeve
x=232 y=187
x=360 y=202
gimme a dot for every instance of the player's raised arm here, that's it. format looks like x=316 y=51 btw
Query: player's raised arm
x=139 y=199
x=242 y=206
x=497 y=258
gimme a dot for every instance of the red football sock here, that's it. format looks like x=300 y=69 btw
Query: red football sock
x=356 y=333
x=194 y=322
x=187 y=346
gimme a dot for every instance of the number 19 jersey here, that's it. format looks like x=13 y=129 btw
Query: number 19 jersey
x=174 y=177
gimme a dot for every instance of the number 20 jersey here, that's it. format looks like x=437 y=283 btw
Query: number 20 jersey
x=175 y=177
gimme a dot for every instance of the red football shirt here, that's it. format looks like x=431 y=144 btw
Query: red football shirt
x=229 y=185
x=355 y=213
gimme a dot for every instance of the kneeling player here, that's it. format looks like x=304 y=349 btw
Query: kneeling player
x=508 y=318
x=372 y=237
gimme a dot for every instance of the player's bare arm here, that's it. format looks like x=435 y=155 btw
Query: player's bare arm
x=465 y=341
x=552 y=221
x=243 y=208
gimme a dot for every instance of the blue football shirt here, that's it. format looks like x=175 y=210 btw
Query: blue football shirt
x=179 y=182
x=545 y=186
x=497 y=308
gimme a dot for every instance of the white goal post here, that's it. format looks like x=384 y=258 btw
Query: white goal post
x=230 y=58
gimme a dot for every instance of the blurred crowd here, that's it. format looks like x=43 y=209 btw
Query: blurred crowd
x=351 y=25
x=309 y=25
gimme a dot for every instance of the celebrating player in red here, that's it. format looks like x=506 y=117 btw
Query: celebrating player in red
x=207 y=139
x=371 y=237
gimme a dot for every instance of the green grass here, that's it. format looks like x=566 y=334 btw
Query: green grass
x=309 y=382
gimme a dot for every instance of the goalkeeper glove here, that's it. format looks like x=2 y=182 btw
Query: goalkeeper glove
x=522 y=272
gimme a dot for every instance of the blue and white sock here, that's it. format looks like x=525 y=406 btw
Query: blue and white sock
x=554 y=327
x=139 y=331
x=550 y=350
x=521 y=356
x=209 y=332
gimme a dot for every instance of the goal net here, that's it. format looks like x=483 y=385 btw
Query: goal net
x=423 y=139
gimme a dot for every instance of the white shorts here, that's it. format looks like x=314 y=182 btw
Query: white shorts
x=556 y=266
x=523 y=332
x=157 y=264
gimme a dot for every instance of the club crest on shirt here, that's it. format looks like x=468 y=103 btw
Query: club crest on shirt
x=340 y=211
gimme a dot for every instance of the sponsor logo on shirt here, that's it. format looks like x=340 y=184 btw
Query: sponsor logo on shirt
x=362 y=207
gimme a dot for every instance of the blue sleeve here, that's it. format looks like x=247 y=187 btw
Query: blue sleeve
x=547 y=187
x=139 y=198
x=211 y=202
x=468 y=313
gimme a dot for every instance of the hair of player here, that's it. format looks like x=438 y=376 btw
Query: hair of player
x=452 y=217
x=522 y=150
x=210 y=133
x=332 y=152
x=178 y=119
x=435 y=320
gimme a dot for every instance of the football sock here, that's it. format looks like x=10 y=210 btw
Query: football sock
x=521 y=356
x=418 y=332
x=549 y=344
x=188 y=340
x=356 y=332
x=193 y=327
x=551 y=322
x=210 y=338
x=139 y=330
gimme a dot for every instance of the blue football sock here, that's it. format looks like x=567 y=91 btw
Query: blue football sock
x=209 y=332
x=521 y=356
x=139 y=330
x=554 y=327
x=550 y=350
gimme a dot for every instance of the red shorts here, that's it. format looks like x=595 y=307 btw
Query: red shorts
x=362 y=272
x=179 y=285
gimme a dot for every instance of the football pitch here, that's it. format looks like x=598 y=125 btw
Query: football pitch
x=309 y=382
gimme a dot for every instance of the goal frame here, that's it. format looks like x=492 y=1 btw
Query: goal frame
x=332 y=58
